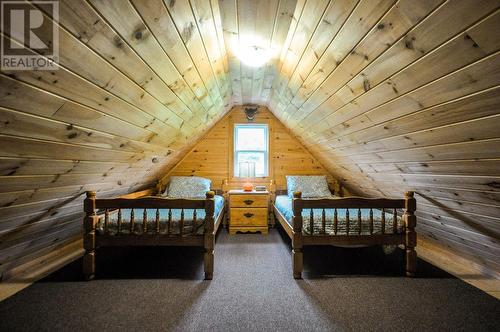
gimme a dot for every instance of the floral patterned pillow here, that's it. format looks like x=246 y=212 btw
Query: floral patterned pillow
x=311 y=186
x=188 y=187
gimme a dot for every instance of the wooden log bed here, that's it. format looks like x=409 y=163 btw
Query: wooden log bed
x=149 y=221
x=324 y=225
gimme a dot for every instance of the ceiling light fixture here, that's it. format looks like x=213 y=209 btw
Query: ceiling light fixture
x=251 y=52
x=253 y=56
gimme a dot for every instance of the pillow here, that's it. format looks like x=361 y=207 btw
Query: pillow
x=311 y=186
x=188 y=187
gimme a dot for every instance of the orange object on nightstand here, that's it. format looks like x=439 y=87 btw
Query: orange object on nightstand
x=247 y=186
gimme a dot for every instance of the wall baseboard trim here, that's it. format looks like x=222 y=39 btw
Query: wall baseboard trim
x=28 y=273
x=471 y=272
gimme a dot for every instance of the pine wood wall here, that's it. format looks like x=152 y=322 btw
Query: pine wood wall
x=404 y=95
x=212 y=155
x=136 y=80
x=389 y=95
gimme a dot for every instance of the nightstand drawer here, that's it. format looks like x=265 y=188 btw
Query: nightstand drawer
x=248 y=217
x=248 y=201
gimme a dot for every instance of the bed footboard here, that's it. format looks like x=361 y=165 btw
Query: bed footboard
x=353 y=232
x=141 y=233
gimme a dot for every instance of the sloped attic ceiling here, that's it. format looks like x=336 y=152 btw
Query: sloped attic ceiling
x=389 y=95
x=137 y=82
x=403 y=95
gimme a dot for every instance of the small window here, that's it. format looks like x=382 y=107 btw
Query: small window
x=251 y=145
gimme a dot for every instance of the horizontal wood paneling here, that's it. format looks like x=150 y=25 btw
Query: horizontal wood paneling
x=384 y=95
x=405 y=97
x=131 y=87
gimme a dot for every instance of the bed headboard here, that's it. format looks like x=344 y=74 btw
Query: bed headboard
x=281 y=192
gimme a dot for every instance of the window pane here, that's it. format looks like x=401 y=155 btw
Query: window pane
x=257 y=157
x=250 y=145
x=251 y=138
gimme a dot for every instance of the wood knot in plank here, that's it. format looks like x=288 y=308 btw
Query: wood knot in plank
x=187 y=32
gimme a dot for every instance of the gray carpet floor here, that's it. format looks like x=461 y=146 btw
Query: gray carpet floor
x=150 y=289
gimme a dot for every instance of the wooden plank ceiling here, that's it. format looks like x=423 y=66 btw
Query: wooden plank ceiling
x=137 y=81
x=389 y=95
x=397 y=95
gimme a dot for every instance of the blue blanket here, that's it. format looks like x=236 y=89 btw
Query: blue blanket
x=151 y=219
x=284 y=205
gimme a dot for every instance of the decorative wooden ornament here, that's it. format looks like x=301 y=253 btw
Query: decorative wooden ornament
x=250 y=113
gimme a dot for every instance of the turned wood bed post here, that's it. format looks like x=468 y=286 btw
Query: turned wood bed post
x=410 y=222
x=209 y=238
x=297 y=258
x=89 y=224
x=158 y=188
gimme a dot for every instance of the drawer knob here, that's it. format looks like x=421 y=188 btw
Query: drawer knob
x=248 y=201
x=248 y=215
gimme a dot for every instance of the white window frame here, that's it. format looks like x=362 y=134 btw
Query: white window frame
x=236 y=151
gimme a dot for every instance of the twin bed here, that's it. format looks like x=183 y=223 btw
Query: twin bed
x=180 y=216
x=309 y=214
x=348 y=222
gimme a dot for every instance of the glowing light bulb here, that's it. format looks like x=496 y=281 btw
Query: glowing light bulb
x=251 y=53
x=253 y=56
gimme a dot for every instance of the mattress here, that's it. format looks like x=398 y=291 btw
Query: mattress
x=284 y=205
x=151 y=220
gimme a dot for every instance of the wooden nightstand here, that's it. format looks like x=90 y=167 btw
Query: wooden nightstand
x=248 y=211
